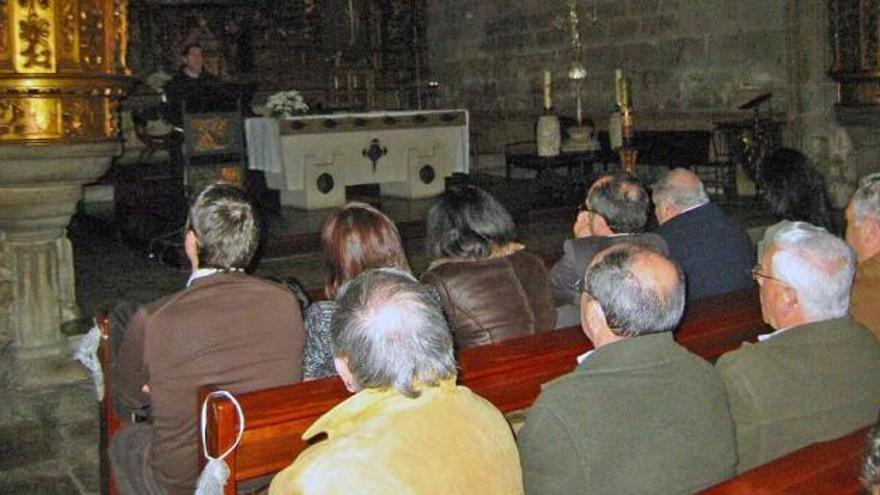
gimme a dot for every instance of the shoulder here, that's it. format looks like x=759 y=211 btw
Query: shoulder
x=747 y=358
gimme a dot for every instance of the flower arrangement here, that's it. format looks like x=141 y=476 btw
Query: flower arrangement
x=286 y=103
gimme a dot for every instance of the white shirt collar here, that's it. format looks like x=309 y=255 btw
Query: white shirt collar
x=584 y=356
x=767 y=336
x=204 y=272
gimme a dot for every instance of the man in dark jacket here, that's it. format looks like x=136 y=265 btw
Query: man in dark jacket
x=614 y=211
x=712 y=249
x=640 y=414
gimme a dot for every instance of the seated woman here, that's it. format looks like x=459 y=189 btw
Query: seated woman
x=356 y=238
x=794 y=191
x=491 y=288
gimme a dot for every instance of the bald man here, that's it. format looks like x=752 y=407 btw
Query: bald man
x=712 y=249
x=640 y=414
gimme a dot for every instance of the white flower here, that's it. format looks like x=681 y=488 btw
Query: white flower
x=286 y=103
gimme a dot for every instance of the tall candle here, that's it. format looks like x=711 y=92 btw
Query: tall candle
x=548 y=83
x=618 y=88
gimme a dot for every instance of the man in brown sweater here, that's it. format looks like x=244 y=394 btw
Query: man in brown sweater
x=225 y=328
x=863 y=234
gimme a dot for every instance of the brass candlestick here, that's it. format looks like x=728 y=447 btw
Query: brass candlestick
x=628 y=153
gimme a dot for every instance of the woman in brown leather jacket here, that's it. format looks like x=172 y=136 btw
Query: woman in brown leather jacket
x=491 y=288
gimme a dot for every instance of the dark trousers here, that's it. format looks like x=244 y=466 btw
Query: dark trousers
x=130 y=460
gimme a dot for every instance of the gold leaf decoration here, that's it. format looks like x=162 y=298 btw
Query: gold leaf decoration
x=34 y=31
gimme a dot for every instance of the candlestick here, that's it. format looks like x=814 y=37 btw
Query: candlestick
x=548 y=83
x=579 y=111
x=618 y=90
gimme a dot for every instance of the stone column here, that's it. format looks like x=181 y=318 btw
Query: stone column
x=39 y=189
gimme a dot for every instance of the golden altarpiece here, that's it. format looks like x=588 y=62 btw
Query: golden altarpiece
x=62 y=73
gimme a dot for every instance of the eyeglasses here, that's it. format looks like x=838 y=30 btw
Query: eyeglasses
x=583 y=207
x=757 y=274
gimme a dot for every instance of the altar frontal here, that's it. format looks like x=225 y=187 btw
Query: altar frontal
x=310 y=159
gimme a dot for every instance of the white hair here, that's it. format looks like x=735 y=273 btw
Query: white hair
x=818 y=265
x=866 y=199
x=680 y=196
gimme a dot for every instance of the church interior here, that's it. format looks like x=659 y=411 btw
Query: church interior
x=386 y=102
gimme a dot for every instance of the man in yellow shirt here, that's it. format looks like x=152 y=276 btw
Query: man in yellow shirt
x=863 y=234
x=409 y=428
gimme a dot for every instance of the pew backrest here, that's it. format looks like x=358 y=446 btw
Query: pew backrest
x=509 y=374
x=823 y=467
x=109 y=421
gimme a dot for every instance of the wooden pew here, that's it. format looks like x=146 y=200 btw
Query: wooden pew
x=109 y=421
x=823 y=467
x=509 y=374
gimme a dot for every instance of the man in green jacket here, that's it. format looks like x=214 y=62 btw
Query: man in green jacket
x=640 y=414
x=818 y=376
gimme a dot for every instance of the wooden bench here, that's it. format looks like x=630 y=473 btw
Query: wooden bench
x=509 y=374
x=823 y=467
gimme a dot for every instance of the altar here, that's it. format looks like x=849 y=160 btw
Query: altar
x=311 y=158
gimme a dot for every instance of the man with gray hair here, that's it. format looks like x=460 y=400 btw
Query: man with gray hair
x=712 y=249
x=817 y=376
x=863 y=234
x=409 y=428
x=640 y=414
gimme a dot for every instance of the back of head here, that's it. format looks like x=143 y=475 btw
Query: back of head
x=866 y=200
x=818 y=265
x=681 y=188
x=871 y=463
x=392 y=332
x=466 y=223
x=225 y=225
x=794 y=190
x=621 y=200
x=356 y=238
x=640 y=290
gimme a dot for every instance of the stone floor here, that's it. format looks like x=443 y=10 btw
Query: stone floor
x=48 y=415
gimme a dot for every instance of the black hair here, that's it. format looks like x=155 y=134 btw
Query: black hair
x=795 y=191
x=466 y=223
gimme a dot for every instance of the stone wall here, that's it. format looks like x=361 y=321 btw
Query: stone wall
x=690 y=63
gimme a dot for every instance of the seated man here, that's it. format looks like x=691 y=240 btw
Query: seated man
x=713 y=250
x=409 y=428
x=615 y=210
x=640 y=414
x=818 y=376
x=226 y=328
x=863 y=234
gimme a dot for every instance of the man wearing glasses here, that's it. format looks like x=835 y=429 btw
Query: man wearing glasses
x=615 y=211
x=863 y=234
x=815 y=378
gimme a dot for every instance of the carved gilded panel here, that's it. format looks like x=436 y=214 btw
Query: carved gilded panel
x=29 y=118
x=855 y=34
x=4 y=29
x=91 y=34
x=68 y=12
x=120 y=36
x=34 y=36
